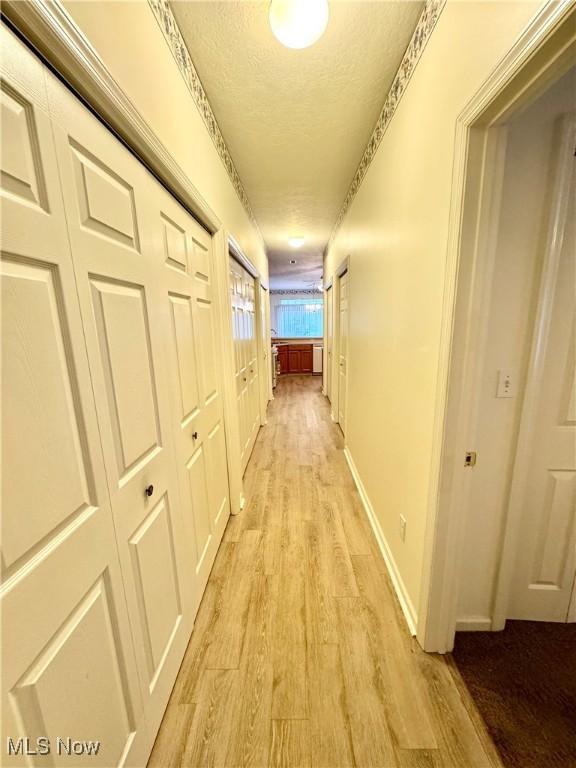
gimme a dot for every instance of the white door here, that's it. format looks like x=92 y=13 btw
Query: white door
x=240 y=361
x=246 y=371
x=545 y=568
x=343 y=351
x=328 y=349
x=194 y=375
x=252 y=345
x=68 y=666
x=108 y=198
x=265 y=351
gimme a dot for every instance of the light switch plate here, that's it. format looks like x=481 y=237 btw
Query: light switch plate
x=506 y=383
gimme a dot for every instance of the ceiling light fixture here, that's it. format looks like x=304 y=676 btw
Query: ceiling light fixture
x=298 y=23
x=296 y=242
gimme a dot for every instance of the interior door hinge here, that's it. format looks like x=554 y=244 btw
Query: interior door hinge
x=470 y=459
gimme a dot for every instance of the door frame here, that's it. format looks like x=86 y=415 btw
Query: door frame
x=264 y=377
x=543 y=53
x=343 y=267
x=561 y=181
x=328 y=316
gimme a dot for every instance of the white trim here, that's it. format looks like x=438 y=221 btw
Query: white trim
x=183 y=60
x=542 y=319
x=48 y=27
x=542 y=53
x=474 y=624
x=395 y=577
x=424 y=28
x=231 y=420
x=238 y=254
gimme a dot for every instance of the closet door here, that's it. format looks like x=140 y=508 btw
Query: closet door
x=343 y=352
x=106 y=194
x=185 y=252
x=240 y=332
x=67 y=659
x=252 y=361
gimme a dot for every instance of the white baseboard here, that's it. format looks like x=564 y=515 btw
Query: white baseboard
x=399 y=587
x=474 y=624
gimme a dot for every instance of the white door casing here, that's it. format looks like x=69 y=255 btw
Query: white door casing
x=343 y=351
x=265 y=351
x=329 y=296
x=544 y=485
x=68 y=665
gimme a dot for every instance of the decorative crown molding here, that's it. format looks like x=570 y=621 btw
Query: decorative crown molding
x=426 y=24
x=179 y=49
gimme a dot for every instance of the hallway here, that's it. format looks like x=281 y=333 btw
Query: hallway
x=300 y=655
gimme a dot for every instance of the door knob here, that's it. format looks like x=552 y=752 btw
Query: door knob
x=195 y=435
x=149 y=490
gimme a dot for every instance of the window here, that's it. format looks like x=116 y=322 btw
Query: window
x=300 y=318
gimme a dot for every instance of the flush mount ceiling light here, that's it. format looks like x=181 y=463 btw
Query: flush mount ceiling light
x=298 y=23
x=296 y=242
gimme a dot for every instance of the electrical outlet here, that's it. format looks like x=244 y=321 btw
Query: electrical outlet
x=402 y=527
x=506 y=384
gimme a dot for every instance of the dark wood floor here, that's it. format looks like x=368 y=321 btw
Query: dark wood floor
x=523 y=682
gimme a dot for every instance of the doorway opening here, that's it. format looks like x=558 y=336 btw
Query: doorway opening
x=297 y=319
x=519 y=546
x=504 y=553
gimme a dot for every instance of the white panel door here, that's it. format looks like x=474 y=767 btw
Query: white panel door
x=247 y=368
x=68 y=666
x=546 y=561
x=108 y=198
x=329 y=338
x=197 y=413
x=343 y=352
x=265 y=351
x=252 y=362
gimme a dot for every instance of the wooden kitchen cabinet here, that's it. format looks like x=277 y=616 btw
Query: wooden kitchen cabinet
x=295 y=358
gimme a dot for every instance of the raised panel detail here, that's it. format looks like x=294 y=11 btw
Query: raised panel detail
x=207 y=349
x=175 y=249
x=22 y=174
x=556 y=531
x=46 y=477
x=183 y=334
x=105 y=200
x=154 y=562
x=75 y=686
x=218 y=472
x=122 y=322
x=196 y=469
x=568 y=399
x=201 y=260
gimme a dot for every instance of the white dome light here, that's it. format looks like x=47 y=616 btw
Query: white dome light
x=296 y=241
x=298 y=23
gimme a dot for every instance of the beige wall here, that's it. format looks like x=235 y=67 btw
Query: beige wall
x=131 y=44
x=396 y=236
x=530 y=162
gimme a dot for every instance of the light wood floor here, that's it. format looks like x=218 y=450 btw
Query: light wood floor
x=300 y=655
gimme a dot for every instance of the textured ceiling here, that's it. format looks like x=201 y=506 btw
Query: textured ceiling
x=296 y=122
